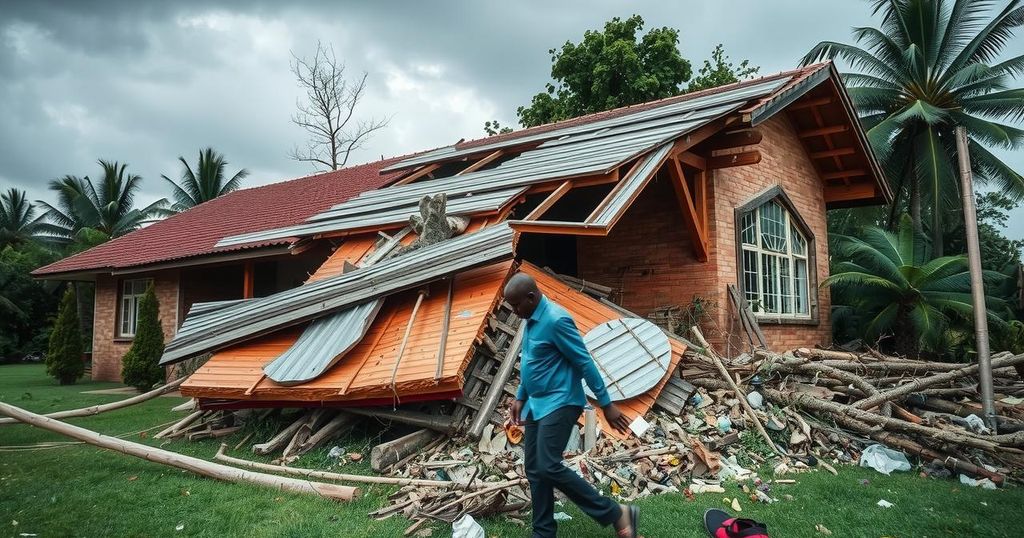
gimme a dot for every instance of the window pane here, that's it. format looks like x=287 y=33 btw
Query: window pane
x=799 y=243
x=750 y=286
x=748 y=227
x=769 y=283
x=785 y=286
x=801 y=284
x=773 y=227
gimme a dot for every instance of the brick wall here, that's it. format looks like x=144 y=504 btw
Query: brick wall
x=107 y=347
x=648 y=256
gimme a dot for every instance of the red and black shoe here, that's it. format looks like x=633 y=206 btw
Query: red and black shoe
x=721 y=525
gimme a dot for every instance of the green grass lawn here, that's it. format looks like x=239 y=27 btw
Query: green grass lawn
x=81 y=490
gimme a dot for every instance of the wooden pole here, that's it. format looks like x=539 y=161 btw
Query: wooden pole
x=740 y=395
x=405 y=340
x=363 y=479
x=180 y=461
x=977 y=283
x=97 y=409
x=445 y=325
x=390 y=452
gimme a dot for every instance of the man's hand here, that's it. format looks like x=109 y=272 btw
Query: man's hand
x=615 y=417
x=515 y=411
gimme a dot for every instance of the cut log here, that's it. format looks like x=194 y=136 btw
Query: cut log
x=304 y=432
x=938 y=379
x=390 y=452
x=120 y=404
x=438 y=423
x=329 y=431
x=181 y=424
x=180 y=461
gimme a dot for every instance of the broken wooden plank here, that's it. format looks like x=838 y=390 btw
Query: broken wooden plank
x=494 y=391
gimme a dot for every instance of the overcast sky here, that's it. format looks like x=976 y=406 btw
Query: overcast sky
x=145 y=82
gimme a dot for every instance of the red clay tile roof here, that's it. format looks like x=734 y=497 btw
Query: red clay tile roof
x=797 y=74
x=196 y=231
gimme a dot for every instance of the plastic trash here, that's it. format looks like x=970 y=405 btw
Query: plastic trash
x=885 y=504
x=336 y=452
x=562 y=516
x=755 y=400
x=724 y=424
x=884 y=460
x=639 y=426
x=984 y=483
x=976 y=424
x=467 y=527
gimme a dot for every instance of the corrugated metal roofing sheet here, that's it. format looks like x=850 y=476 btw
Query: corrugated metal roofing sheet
x=365 y=372
x=627 y=190
x=670 y=109
x=380 y=215
x=322 y=343
x=259 y=316
x=632 y=355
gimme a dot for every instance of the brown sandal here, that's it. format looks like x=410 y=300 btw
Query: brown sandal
x=630 y=532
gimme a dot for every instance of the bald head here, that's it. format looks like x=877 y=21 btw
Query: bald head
x=522 y=294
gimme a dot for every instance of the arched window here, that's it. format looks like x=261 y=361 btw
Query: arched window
x=775 y=260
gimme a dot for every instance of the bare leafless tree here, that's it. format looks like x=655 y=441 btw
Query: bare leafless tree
x=328 y=109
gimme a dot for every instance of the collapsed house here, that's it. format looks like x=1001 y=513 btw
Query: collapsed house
x=716 y=198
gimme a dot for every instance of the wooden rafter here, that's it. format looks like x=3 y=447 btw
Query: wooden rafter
x=552 y=198
x=418 y=173
x=730 y=160
x=735 y=139
x=847 y=193
x=558 y=227
x=822 y=131
x=248 y=279
x=701 y=134
x=820 y=122
x=482 y=162
x=694 y=221
x=844 y=174
x=693 y=160
x=833 y=153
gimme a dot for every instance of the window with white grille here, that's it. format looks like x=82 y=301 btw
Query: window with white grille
x=131 y=295
x=775 y=262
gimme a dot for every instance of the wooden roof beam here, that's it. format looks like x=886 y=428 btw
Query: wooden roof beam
x=693 y=160
x=811 y=103
x=557 y=227
x=833 y=153
x=482 y=162
x=555 y=196
x=735 y=139
x=850 y=193
x=822 y=131
x=689 y=209
x=843 y=174
x=745 y=158
x=416 y=174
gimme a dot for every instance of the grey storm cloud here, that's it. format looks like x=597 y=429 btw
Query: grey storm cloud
x=145 y=82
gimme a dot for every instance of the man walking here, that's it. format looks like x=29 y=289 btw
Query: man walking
x=549 y=401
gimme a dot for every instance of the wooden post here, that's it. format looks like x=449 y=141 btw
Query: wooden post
x=180 y=461
x=445 y=325
x=977 y=283
x=248 y=280
x=390 y=452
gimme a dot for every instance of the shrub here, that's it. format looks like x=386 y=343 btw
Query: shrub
x=64 y=354
x=140 y=367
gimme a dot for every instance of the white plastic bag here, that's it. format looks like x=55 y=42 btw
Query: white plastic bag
x=467 y=527
x=884 y=460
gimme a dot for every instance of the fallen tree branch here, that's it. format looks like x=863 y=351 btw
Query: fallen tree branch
x=97 y=409
x=180 y=461
x=938 y=379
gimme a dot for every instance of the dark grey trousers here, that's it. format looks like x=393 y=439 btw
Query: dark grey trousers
x=544 y=442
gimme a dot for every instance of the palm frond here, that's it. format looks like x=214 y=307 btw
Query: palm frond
x=994 y=173
x=1007 y=104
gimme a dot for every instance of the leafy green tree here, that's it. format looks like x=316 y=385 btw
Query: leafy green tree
x=140 y=367
x=719 y=71
x=930 y=66
x=64 y=355
x=207 y=182
x=609 y=69
x=89 y=213
x=18 y=221
x=27 y=305
x=494 y=128
x=896 y=288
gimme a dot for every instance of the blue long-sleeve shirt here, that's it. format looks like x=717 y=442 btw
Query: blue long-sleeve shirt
x=554 y=362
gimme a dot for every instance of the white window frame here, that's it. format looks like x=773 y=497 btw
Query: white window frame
x=129 y=296
x=759 y=298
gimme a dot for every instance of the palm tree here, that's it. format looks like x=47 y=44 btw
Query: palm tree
x=89 y=213
x=205 y=183
x=18 y=221
x=892 y=282
x=929 y=67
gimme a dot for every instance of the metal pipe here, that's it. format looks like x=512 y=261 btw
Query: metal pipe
x=977 y=284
